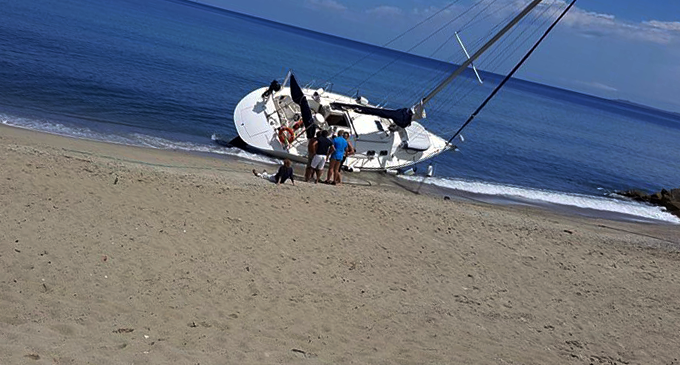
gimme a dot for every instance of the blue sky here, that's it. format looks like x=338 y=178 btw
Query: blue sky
x=619 y=49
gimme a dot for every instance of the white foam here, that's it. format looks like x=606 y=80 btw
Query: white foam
x=134 y=139
x=62 y=130
x=161 y=143
x=599 y=203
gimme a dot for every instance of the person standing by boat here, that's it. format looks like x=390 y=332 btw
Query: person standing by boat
x=323 y=150
x=311 y=151
x=341 y=145
x=350 y=149
x=285 y=172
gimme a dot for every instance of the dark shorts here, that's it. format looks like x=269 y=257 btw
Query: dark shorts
x=309 y=160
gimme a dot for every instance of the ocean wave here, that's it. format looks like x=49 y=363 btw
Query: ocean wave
x=132 y=139
x=540 y=197
x=162 y=143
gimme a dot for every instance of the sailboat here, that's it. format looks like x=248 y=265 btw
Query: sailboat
x=281 y=118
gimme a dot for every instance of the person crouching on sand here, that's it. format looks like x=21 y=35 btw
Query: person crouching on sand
x=285 y=172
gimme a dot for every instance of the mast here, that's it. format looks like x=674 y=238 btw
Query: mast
x=474 y=57
x=512 y=73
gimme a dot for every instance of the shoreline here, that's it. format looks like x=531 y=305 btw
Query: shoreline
x=114 y=254
x=201 y=162
x=652 y=214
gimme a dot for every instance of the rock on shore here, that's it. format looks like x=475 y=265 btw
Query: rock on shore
x=669 y=199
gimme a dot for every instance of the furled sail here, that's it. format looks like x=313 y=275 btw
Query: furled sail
x=401 y=117
x=300 y=99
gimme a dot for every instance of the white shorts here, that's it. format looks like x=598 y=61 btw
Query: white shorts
x=266 y=176
x=318 y=162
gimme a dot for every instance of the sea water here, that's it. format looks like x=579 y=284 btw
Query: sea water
x=167 y=74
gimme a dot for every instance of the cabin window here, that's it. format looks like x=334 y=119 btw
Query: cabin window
x=379 y=126
x=337 y=120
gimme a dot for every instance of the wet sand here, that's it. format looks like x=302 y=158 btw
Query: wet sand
x=113 y=254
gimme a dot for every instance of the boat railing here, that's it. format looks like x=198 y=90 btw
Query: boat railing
x=287 y=78
x=310 y=84
x=326 y=86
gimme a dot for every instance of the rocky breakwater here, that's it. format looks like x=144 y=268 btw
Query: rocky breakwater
x=665 y=198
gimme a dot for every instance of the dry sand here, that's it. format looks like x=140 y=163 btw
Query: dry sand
x=119 y=255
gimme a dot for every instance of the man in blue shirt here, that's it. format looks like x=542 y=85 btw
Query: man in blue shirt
x=341 y=147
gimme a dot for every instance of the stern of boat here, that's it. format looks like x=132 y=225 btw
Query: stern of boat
x=257 y=121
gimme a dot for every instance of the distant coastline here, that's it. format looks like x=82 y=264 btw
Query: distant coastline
x=638 y=105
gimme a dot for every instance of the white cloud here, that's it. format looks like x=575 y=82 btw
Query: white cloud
x=580 y=21
x=670 y=26
x=589 y=87
x=597 y=86
x=425 y=12
x=594 y=24
x=385 y=11
x=327 y=4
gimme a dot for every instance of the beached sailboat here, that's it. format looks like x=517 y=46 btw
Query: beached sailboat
x=280 y=119
x=281 y=122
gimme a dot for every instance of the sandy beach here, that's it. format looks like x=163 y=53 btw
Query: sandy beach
x=120 y=255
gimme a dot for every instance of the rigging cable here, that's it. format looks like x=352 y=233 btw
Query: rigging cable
x=467 y=88
x=514 y=70
x=393 y=40
x=500 y=50
x=476 y=15
x=413 y=78
x=472 y=20
x=417 y=45
x=468 y=24
x=438 y=77
x=513 y=42
x=481 y=40
x=499 y=10
x=501 y=56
